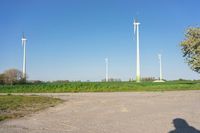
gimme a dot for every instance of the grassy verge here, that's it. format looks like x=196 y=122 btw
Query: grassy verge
x=99 y=87
x=17 y=106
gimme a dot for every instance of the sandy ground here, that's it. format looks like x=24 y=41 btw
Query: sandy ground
x=118 y=112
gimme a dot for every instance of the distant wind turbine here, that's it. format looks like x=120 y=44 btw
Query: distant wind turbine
x=136 y=32
x=24 y=56
x=160 y=62
x=160 y=66
x=106 y=61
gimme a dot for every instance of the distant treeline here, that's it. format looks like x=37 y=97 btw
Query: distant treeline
x=14 y=76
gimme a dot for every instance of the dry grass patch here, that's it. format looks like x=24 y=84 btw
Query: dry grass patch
x=18 y=106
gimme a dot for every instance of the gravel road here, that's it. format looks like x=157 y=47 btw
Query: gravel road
x=117 y=112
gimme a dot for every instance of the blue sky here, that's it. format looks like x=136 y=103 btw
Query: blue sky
x=69 y=39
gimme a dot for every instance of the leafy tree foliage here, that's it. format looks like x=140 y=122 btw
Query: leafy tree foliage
x=12 y=76
x=190 y=47
x=1 y=78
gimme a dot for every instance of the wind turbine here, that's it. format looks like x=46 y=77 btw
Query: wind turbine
x=24 y=56
x=160 y=62
x=136 y=32
x=106 y=61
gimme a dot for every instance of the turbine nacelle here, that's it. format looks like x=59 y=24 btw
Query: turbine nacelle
x=106 y=60
x=135 y=24
x=24 y=41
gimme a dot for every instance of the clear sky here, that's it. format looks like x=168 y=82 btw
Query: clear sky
x=69 y=39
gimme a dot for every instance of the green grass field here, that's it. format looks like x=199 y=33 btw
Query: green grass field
x=100 y=87
x=18 y=106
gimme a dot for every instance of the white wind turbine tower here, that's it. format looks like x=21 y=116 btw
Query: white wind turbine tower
x=136 y=31
x=24 y=56
x=160 y=66
x=160 y=62
x=106 y=61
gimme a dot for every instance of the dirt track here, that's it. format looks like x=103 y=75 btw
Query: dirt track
x=121 y=112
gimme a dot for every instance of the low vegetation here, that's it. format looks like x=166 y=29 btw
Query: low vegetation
x=100 y=87
x=17 y=106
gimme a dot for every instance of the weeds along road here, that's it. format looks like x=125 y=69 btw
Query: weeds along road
x=117 y=112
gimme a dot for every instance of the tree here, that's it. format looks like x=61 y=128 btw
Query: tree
x=1 y=78
x=190 y=47
x=12 y=76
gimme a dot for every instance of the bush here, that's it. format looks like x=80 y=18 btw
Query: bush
x=148 y=79
x=11 y=76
